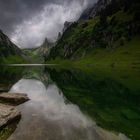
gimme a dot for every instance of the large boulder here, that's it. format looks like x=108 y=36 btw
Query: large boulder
x=8 y=114
x=13 y=98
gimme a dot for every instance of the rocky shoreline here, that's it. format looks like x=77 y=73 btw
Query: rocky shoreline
x=8 y=114
x=8 y=111
x=13 y=98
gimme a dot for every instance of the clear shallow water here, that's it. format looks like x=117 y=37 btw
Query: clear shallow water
x=67 y=104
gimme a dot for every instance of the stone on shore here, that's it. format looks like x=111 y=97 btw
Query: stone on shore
x=8 y=114
x=5 y=87
x=13 y=98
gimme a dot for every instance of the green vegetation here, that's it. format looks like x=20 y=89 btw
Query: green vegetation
x=111 y=38
x=9 y=52
x=34 y=55
x=110 y=96
x=39 y=54
x=13 y=59
x=5 y=133
x=8 y=130
x=126 y=56
x=9 y=76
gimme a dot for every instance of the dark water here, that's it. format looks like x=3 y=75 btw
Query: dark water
x=76 y=105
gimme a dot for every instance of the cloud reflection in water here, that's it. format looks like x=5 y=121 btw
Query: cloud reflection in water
x=49 y=116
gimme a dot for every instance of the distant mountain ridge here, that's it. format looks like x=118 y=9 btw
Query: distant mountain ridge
x=40 y=53
x=9 y=52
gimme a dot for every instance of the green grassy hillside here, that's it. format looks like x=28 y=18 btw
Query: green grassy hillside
x=12 y=59
x=127 y=55
x=34 y=55
x=111 y=38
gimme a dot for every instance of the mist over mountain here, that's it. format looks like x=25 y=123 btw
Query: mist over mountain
x=29 y=22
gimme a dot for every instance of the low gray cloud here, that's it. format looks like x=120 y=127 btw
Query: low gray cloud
x=28 y=22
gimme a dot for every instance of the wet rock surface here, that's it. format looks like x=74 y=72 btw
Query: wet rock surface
x=13 y=98
x=8 y=114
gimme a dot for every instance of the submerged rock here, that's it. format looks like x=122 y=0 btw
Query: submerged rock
x=13 y=98
x=8 y=114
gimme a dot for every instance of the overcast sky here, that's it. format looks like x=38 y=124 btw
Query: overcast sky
x=29 y=22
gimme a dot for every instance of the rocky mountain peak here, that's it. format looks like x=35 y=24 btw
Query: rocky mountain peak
x=46 y=43
x=94 y=10
x=66 y=25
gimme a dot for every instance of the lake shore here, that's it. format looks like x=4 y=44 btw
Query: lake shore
x=9 y=114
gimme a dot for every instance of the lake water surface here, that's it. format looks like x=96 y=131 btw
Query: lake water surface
x=75 y=105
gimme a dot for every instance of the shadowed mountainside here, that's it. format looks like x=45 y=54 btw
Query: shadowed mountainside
x=107 y=32
x=9 y=52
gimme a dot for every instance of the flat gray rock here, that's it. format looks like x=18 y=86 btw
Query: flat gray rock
x=13 y=98
x=8 y=114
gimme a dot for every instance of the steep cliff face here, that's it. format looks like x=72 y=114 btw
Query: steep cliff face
x=45 y=47
x=94 y=10
x=112 y=24
x=109 y=7
x=66 y=25
x=9 y=50
x=7 y=47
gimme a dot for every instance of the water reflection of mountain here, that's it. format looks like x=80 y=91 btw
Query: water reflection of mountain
x=49 y=115
x=9 y=76
x=113 y=105
x=37 y=73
